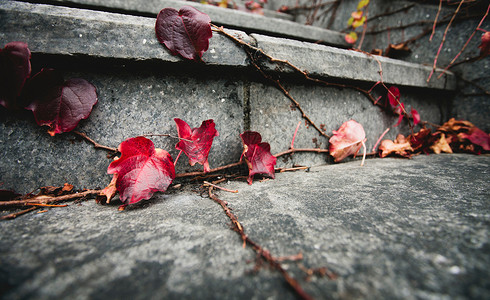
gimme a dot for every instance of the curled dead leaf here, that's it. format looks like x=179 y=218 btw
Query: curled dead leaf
x=441 y=145
x=401 y=147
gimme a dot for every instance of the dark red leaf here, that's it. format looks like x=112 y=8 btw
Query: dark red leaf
x=394 y=96
x=57 y=103
x=142 y=170
x=185 y=32
x=15 y=68
x=202 y=139
x=257 y=155
x=420 y=140
x=347 y=140
x=485 y=44
x=477 y=137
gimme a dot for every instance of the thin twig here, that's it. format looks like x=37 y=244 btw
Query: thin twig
x=252 y=51
x=389 y=13
x=290 y=151
x=219 y=187
x=48 y=205
x=96 y=145
x=379 y=139
x=435 y=21
x=466 y=44
x=443 y=40
x=282 y=170
x=364 y=28
x=16 y=214
x=198 y=173
x=50 y=199
x=264 y=254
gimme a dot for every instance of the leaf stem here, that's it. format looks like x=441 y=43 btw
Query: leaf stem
x=294 y=136
x=379 y=139
x=96 y=145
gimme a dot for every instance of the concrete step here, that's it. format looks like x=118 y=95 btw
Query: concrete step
x=141 y=88
x=393 y=229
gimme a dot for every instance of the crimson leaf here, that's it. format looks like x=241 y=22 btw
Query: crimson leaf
x=485 y=44
x=185 y=32
x=257 y=155
x=198 y=141
x=415 y=116
x=347 y=140
x=142 y=170
x=394 y=96
x=477 y=137
x=57 y=103
x=15 y=68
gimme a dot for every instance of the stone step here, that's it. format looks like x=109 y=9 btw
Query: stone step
x=271 y=23
x=68 y=31
x=393 y=229
x=142 y=88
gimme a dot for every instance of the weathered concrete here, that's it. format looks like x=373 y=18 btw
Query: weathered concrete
x=325 y=61
x=141 y=88
x=274 y=116
x=55 y=30
x=393 y=229
x=131 y=103
x=68 y=31
x=272 y=23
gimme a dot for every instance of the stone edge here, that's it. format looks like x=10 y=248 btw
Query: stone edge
x=320 y=60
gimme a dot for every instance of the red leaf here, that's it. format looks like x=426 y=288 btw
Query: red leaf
x=477 y=137
x=185 y=32
x=485 y=44
x=394 y=96
x=347 y=140
x=415 y=116
x=420 y=140
x=257 y=155
x=202 y=139
x=57 y=103
x=15 y=68
x=142 y=170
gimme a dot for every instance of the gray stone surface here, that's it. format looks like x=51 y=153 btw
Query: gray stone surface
x=327 y=61
x=273 y=24
x=68 y=31
x=58 y=30
x=393 y=229
x=131 y=103
x=328 y=107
